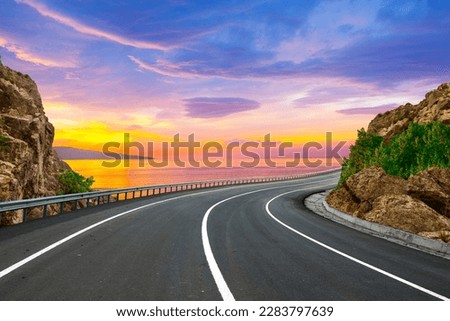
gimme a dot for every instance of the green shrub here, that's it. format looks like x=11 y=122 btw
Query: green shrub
x=9 y=78
x=3 y=142
x=418 y=148
x=362 y=154
x=73 y=182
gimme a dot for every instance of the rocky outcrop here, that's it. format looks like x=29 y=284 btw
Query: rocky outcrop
x=406 y=213
x=28 y=165
x=432 y=187
x=417 y=205
x=420 y=204
x=435 y=107
x=363 y=188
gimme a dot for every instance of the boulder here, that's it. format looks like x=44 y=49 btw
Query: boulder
x=417 y=205
x=432 y=187
x=358 y=193
x=406 y=213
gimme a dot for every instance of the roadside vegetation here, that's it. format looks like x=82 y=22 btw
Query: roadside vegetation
x=418 y=148
x=4 y=142
x=72 y=182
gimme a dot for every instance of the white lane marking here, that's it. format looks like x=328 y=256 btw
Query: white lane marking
x=390 y=275
x=71 y=236
x=214 y=268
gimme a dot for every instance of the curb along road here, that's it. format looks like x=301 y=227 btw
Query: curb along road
x=318 y=204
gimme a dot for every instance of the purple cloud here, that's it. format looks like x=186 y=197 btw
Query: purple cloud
x=367 y=110
x=212 y=107
x=328 y=95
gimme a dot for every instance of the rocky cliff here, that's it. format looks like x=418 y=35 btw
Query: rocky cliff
x=435 y=107
x=419 y=204
x=28 y=165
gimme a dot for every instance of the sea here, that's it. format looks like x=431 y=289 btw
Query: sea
x=137 y=174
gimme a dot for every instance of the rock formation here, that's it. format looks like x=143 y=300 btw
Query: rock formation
x=435 y=107
x=28 y=165
x=417 y=205
x=420 y=204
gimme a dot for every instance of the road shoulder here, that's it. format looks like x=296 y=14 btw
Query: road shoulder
x=317 y=204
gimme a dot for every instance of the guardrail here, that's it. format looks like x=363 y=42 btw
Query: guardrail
x=72 y=202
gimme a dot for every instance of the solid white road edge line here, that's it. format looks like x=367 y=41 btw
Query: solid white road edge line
x=214 y=268
x=30 y=258
x=71 y=236
x=390 y=275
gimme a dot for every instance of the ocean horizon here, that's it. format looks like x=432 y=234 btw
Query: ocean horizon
x=135 y=175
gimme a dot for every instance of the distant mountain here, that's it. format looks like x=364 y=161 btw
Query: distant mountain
x=70 y=153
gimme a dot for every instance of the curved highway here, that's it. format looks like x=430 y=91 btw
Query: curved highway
x=250 y=242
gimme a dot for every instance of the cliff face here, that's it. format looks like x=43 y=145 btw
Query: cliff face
x=28 y=166
x=435 y=107
x=419 y=204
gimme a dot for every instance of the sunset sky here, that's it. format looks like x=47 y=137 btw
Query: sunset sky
x=223 y=70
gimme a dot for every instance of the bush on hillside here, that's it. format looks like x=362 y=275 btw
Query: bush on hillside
x=72 y=182
x=418 y=148
x=362 y=154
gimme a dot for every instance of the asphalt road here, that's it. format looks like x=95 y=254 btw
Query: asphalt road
x=251 y=242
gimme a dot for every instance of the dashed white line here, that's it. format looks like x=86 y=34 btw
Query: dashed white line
x=374 y=268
